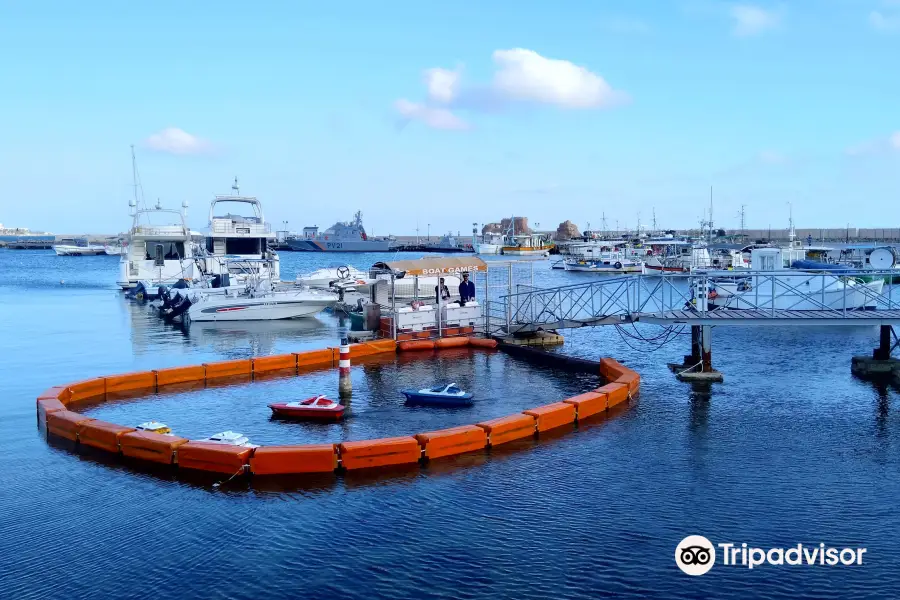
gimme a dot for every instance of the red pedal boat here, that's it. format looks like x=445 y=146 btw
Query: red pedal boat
x=317 y=407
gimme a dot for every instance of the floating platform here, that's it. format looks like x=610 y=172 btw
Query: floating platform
x=540 y=338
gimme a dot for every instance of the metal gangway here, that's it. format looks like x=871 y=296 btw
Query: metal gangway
x=779 y=297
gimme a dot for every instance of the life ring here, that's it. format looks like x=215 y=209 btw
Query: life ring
x=618 y=265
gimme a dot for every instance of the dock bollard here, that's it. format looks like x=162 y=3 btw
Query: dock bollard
x=345 y=384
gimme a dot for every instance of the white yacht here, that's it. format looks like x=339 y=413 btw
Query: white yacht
x=160 y=251
x=773 y=284
x=231 y=237
x=676 y=256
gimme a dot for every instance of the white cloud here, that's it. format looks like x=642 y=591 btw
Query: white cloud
x=879 y=146
x=895 y=140
x=525 y=75
x=177 y=141
x=442 y=84
x=884 y=22
x=436 y=118
x=520 y=75
x=751 y=20
x=773 y=157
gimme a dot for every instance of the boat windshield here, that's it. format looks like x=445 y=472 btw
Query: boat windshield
x=439 y=388
x=171 y=250
x=453 y=390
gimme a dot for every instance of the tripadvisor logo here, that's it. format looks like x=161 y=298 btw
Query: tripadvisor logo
x=696 y=555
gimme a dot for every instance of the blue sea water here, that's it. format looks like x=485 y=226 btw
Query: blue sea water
x=790 y=449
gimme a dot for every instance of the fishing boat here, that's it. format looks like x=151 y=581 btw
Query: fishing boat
x=442 y=395
x=489 y=243
x=676 y=256
x=602 y=257
x=231 y=438
x=317 y=407
x=773 y=284
x=531 y=244
x=340 y=237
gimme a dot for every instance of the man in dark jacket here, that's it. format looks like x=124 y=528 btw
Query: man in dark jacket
x=466 y=289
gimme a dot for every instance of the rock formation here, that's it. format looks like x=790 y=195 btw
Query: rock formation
x=505 y=226
x=567 y=230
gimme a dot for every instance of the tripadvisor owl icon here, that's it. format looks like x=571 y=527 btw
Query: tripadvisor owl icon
x=695 y=555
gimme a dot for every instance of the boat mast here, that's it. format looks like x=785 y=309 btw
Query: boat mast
x=133 y=203
x=236 y=187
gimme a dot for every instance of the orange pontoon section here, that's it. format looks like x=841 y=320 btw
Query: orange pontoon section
x=263 y=364
x=228 y=368
x=64 y=423
x=507 y=429
x=455 y=440
x=180 y=375
x=289 y=460
x=379 y=453
x=207 y=456
x=102 y=435
x=588 y=404
x=154 y=447
x=551 y=416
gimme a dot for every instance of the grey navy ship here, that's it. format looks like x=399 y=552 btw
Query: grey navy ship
x=340 y=237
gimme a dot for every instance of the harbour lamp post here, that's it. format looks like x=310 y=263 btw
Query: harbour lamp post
x=429 y=232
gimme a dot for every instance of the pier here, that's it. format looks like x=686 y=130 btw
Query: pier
x=774 y=298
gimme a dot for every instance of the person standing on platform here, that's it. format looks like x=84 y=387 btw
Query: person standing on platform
x=441 y=292
x=466 y=290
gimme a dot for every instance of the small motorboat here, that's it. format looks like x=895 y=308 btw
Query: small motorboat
x=154 y=427
x=317 y=407
x=231 y=438
x=442 y=395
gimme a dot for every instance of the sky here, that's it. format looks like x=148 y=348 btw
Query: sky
x=438 y=115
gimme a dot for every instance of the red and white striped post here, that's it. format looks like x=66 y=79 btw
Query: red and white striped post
x=345 y=384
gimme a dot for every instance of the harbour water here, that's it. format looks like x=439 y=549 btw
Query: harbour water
x=790 y=449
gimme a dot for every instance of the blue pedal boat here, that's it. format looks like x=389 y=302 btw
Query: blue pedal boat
x=442 y=395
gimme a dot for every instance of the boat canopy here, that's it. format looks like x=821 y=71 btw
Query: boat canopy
x=432 y=266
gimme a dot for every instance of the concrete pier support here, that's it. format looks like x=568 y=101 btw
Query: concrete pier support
x=697 y=365
x=880 y=365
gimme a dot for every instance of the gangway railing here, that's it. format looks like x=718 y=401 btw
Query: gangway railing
x=726 y=296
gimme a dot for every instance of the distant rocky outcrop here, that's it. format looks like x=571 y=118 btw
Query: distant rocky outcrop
x=505 y=226
x=567 y=230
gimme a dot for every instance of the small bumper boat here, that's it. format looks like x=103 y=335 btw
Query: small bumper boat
x=442 y=395
x=154 y=427
x=231 y=438
x=317 y=407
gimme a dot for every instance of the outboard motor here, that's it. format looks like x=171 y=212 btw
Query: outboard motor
x=139 y=292
x=181 y=284
x=182 y=303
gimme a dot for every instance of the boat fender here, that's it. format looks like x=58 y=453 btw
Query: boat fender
x=618 y=265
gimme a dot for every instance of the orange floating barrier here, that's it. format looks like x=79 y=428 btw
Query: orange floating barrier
x=153 y=447
x=288 y=460
x=617 y=393
x=89 y=388
x=218 y=458
x=551 y=416
x=483 y=342
x=180 y=375
x=452 y=342
x=455 y=440
x=228 y=368
x=588 y=404
x=131 y=381
x=369 y=348
x=57 y=392
x=380 y=453
x=631 y=379
x=612 y=369
x=262 y=364
x=507 y=429
x=64 y=423
x=102 y=435
x=416 y=345
x=323 y=357
x=45 y=406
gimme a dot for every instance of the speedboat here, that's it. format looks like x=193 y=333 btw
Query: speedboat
x=231 y=438
x=257 y=304
x=442 y=395
x=78 y=247
x=324 y=278
x=317 y=407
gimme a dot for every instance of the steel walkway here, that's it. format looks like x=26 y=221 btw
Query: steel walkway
x=756 y=298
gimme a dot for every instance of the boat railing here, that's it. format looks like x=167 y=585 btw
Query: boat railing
x=160 y=231
x=229 y=227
